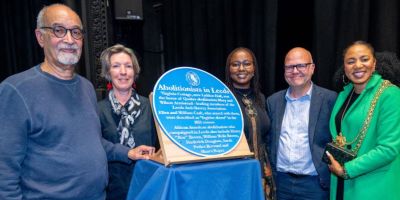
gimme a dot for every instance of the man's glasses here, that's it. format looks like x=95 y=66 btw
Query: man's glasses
x=60 y=31
x=300 y=67
x=245 y=63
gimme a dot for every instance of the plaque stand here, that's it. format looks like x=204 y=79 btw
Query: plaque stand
x=170 y=153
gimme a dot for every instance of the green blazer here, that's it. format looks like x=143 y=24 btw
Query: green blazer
x=374 y=173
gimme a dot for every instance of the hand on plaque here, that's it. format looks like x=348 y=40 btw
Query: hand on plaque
x=141 y=152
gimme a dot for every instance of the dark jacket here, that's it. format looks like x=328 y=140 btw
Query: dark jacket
x=144 y=133
x=322 y=101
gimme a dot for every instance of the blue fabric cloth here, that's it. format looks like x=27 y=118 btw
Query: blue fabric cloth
x=229 y=179
x=50 y=140
x=294 y=154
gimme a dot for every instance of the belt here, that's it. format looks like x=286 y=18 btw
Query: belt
x=296 y=175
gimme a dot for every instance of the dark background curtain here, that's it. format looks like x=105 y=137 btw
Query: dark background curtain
x=201 y=33
x=19 y=49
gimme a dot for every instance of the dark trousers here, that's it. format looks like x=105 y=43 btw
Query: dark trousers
x=299 y=187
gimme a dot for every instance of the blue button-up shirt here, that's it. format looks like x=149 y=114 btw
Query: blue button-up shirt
x=294 y=153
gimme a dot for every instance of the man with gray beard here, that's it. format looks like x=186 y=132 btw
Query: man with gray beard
x=50 y=138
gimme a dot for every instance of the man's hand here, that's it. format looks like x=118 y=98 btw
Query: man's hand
x=141 y=152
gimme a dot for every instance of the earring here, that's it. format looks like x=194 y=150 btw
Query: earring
x=109 y=86
x=134 y=85
x=345 y=79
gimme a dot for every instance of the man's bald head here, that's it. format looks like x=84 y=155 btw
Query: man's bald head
x=299 y=68
x=47 y=12
x=299 y=52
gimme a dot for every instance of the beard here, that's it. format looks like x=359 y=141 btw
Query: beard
x=68 y=58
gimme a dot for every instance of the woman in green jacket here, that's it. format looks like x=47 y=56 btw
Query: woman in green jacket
x=373 y=174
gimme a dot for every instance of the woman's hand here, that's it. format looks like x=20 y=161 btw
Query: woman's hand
x=141 y=152
x=335 y=167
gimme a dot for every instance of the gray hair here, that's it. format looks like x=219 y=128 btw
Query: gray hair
x=106 y=62
x=39 y=19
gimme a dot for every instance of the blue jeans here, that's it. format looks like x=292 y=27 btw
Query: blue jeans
x=299 y=187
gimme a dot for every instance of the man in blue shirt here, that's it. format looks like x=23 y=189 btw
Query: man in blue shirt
x=50 y=138
x=299 y=131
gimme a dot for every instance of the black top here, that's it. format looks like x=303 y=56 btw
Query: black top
x=144 y=133
x=342 y=111
x=338 y=121
x=263 y=121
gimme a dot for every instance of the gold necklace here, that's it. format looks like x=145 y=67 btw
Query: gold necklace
x=248 y=103
x=340 y=139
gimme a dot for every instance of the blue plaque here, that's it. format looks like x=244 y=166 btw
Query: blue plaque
x=197 y=112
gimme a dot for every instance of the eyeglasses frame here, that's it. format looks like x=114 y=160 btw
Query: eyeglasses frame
x=242 y=64
x=66 y=31
x=301 y=69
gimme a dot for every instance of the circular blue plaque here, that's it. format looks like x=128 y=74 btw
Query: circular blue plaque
x=197 y=111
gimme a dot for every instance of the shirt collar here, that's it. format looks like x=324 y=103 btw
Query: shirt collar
x=307 y=96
